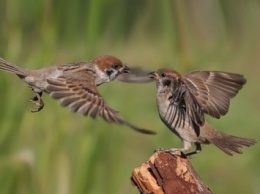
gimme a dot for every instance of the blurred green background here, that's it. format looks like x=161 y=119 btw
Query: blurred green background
x=57 y=152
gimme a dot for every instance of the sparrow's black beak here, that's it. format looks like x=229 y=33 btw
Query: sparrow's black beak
x=126 y=69
x=152 y=75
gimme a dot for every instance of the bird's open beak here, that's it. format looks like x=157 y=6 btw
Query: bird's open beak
x=153 y=75
x=125 y=69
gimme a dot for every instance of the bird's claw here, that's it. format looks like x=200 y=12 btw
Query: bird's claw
x=38 y=104
x=167 y=150
x=172 y=151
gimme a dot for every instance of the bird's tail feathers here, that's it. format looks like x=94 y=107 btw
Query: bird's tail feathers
x=140 y=130
x=6 y=66
x=231 y=144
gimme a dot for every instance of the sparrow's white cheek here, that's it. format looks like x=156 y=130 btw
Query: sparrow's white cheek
x=114 y=75
x=101 y=77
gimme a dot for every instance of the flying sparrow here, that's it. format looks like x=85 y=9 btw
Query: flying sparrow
x=75 y=86
x=183 y=100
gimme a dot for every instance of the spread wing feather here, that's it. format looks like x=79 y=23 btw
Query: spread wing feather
x=183 y=107
x=79 y=93
x=214 y=89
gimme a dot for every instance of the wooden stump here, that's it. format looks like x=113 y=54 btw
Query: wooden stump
x=164 y=173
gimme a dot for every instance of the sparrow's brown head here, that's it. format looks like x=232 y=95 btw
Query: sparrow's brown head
x=108 y=68
x=164 y=76
x=106 y=62
x=163 y=73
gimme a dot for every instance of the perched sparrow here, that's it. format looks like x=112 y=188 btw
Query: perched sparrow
x=75 y=86
x=183 y=100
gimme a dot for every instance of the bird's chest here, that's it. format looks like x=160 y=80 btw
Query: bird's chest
x=162 y=103
x=176 y=120
x=165 y=109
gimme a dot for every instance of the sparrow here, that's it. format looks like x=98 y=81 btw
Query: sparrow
x=183 y=101
x=75 y=86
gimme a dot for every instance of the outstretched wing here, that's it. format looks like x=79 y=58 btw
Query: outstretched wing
x=184 y=107
x=214 y=89
x=79 y=93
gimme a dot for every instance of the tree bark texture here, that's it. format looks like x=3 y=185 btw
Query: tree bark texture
x=165 y=173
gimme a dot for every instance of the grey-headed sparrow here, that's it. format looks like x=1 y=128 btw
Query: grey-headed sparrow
x=75 y=86
x=182 y=102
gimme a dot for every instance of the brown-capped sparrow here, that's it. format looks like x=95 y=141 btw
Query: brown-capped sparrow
x=183 y=100
x=75 y=86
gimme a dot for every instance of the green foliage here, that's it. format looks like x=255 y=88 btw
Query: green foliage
x=55 y=151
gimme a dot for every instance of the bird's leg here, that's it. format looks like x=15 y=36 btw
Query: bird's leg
x=198 y=150
x=186 y=147
x=37 y=101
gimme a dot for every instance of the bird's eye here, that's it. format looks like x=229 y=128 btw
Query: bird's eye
x=163 y=75
x=116 y=66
